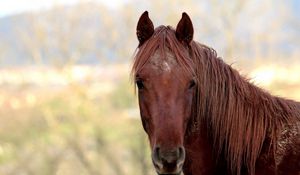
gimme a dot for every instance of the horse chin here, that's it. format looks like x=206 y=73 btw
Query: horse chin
x=169 y=173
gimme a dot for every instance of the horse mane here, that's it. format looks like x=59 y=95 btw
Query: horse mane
x=239 y=115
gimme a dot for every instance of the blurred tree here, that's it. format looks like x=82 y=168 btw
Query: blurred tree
x=237 y=29
x=2 y=51
x=35 y=38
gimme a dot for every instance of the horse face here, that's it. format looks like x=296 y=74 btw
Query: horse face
x=165 y=99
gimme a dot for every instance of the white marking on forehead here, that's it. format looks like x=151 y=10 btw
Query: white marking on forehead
x=163 y=62
x=166 y=66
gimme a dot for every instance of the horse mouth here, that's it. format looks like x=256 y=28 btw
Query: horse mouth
x=168 y=171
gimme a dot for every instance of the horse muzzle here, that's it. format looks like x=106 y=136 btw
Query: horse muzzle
x=168 y=161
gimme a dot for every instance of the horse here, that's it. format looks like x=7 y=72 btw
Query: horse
x=201 y=116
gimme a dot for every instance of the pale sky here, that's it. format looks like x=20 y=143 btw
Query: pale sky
x=9 y=7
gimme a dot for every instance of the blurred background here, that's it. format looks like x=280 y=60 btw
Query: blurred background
x=67 y=105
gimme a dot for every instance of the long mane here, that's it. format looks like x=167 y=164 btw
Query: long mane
x=240 y=116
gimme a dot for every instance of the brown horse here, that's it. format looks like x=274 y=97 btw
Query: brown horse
x=202 y=116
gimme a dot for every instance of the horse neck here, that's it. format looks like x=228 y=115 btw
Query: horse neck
x=236 y=113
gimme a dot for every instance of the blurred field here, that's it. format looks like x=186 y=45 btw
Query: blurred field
x=67 y=104
x=64 y=125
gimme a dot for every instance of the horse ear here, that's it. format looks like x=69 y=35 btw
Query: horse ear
x=185 y=29
x=144 y=29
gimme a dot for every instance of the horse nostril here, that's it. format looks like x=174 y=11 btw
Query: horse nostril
x=156 y=152
x=156 y=157
x=181 y=155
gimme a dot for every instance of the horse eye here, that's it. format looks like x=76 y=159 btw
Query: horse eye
x=192 y=84
x=140 y=84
